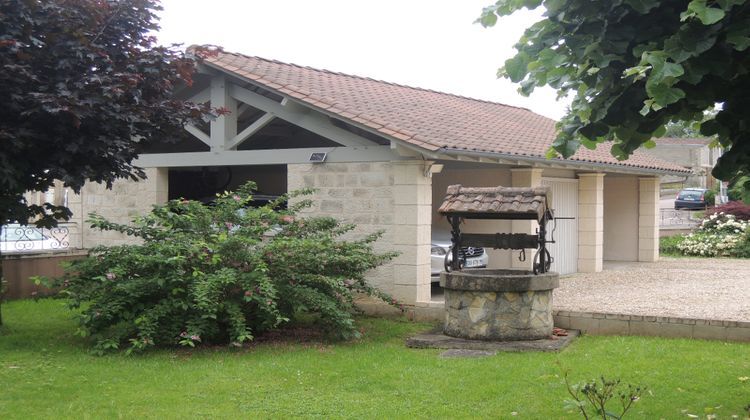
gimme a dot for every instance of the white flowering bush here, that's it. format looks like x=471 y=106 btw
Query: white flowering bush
x=718 y=235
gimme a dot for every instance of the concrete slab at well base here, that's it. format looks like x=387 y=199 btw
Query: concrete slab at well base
x=435 y=339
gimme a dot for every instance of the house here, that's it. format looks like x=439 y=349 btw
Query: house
x=381 y=155
x=695 y=154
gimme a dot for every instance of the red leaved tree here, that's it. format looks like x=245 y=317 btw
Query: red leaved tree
x=83 y=87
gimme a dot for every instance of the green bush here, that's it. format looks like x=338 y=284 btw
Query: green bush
x=710 y=197
x=219 y=274
x=742 y=248
x=668 y=245
x=739 y=189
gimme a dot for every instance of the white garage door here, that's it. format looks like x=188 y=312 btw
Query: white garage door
x=565 y=203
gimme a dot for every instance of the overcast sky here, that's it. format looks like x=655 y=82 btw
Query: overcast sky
x=431 y=44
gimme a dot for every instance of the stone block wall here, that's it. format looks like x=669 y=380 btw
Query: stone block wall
x=648 y=219
x=359 y=193
x=620 y=218
x=126 y=200
x=394 y=197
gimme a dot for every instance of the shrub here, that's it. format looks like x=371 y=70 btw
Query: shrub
x=718 y=235
x=738 y=209
x=710 y=197
x=668 y=245
x=219 y=274
x=742 y=249
x=591 y=398
x=739 y=189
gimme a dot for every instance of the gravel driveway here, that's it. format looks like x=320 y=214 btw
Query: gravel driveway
x=675 y=287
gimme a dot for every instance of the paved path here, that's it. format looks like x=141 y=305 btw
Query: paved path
x=666 y=202
x=674 y=287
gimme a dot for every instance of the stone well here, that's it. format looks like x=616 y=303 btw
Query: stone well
x=490 y=304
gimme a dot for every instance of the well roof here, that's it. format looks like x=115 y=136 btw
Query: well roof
x=496 y=202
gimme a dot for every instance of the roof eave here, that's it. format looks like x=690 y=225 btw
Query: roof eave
x=573 y=164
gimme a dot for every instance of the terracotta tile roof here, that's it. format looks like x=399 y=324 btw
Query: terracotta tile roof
x=692 y=141
x=431 y=120
x=505 y=202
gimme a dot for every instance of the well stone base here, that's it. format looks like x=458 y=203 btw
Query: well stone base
x=498 y=304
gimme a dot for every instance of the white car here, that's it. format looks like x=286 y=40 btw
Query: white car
x=476 y=257
x=17 y=238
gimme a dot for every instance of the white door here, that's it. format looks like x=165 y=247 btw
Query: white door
x=565 y=203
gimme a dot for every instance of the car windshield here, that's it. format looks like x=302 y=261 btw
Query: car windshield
x=690 y=195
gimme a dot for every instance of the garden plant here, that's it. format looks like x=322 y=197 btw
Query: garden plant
x=590 y=398
x=718 y=235
x=738 y=209
x=219 y=274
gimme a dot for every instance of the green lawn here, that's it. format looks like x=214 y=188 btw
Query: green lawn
x=45 y=372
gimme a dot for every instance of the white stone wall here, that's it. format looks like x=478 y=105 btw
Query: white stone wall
x=620 y=218
x=359 y=193
x=394 y=197
x=412 y=223
x=648 y=219
x=126 y=200
x=590 y=222
x=699 y=158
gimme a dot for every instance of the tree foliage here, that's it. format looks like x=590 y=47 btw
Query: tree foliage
x=688 y=129
x=681 y=129
x=633 y=66
x=83 y=88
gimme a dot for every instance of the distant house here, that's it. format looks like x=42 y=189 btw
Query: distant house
x=381 y=155
x=694 y=154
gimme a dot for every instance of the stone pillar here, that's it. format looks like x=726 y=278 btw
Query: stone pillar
x=590 y=222
x=648 y=219
x=412 y=192
x=77 y=220
x=524 y=177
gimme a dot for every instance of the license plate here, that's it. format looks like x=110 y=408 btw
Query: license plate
x=473 y=263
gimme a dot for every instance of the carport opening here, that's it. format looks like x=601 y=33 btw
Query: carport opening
x=203 y=183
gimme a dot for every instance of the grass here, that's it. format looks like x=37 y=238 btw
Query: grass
x=46 y=372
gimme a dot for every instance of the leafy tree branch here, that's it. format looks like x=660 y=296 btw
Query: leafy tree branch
x=634 y=66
